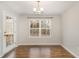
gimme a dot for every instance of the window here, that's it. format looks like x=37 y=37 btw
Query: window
x=34 y=28
x=39 y=27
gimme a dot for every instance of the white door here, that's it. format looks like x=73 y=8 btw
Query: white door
x=8 y=34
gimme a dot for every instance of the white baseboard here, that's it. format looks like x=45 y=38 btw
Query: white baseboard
x=70 y=51
x=41 y=44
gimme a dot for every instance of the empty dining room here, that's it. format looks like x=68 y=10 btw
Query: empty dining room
x=39 y=29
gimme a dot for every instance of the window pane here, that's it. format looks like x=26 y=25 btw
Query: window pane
x=44 y=24
x=34 y=24
x=45 y=32
x=34 y=32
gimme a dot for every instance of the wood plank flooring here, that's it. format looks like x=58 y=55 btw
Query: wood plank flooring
x=42 y=52
x=39 y=51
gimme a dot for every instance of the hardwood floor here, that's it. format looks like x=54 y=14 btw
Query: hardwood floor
x=37 y=51
x=42 y=52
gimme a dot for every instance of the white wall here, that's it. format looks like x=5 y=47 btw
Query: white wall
x=70 y=25
x=1 y=33
x=23 y=33
x=8 y=11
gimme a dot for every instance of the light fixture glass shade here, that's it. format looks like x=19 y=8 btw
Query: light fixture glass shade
x=41 y=9
x=38 y=10
x=34 y=9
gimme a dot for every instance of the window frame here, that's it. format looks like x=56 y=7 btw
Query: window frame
x=40 y=36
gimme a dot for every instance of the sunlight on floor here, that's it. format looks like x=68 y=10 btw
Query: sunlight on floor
x=39 y=52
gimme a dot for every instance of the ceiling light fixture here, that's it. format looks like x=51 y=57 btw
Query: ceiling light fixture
x=38 y=9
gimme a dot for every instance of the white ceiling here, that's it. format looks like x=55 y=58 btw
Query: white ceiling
x=50 y=7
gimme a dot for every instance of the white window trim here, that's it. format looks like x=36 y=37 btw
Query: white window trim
x=40 y=36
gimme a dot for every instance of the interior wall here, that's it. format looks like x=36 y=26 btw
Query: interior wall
x=23 y=33
x=70 y=28
x=1 y=33
x=3 y=9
